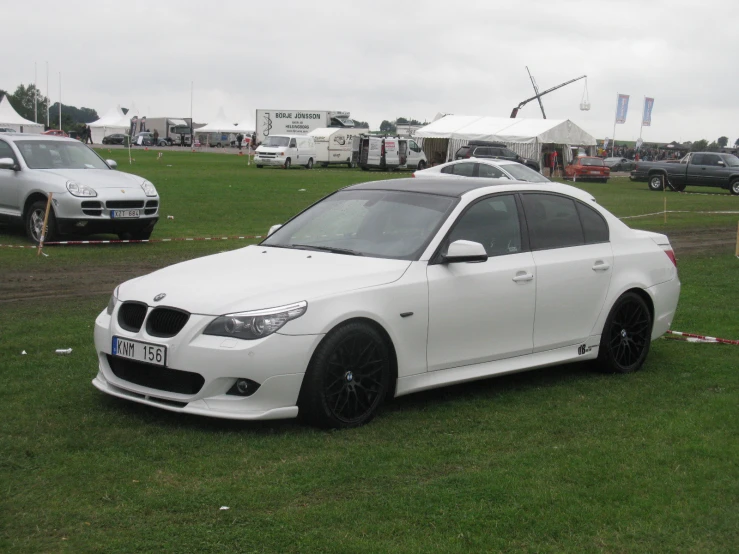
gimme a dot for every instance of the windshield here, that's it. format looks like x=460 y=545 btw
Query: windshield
x=591 y=162
x=276 y=141
x=377 y=223
x=731 y=160
x=523 y=173
x=56 y=154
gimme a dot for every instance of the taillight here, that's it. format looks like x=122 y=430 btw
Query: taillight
x=671 y=255
x=413 y=174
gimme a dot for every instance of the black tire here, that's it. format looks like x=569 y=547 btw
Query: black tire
x=734 y=186
x=324 y=164
x=656 y=182
x=421 y=165
x=260 y=166
x=365 y=168
x=309 y=165
x=287 y=163
x=677 y=188
x=34 y=221
x=137 y=235
x=627 y=334
x=348 y=378
x=352 y=164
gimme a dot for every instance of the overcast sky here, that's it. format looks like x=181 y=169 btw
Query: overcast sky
x=383 y=59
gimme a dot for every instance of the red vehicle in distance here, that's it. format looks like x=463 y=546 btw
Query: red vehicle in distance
x=55 y=133
x=587 y=168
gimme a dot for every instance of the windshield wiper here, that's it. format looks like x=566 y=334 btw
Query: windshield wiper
x=331 y=249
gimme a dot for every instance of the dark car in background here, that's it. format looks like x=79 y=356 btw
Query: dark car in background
x=117 y=138
x=620 y=164
x=495 y=150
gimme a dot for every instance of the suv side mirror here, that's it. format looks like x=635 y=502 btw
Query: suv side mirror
x=721 y=163
x=112 y=163
x=273 y=229
x=465 y=251
x=8 y=163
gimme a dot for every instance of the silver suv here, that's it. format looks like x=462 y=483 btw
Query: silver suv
x=88 y=195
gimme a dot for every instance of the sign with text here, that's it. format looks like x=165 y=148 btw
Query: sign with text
x=646 y=119
x=622 y=108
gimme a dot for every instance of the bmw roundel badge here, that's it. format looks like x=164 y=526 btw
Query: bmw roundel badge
x=159 y=297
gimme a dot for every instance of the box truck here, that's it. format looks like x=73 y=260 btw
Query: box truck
x=337 y=145
x=390 y=153
x=297 y=122
x=170 y=129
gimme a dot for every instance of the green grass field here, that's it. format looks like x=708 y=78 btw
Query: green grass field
x=555 y=460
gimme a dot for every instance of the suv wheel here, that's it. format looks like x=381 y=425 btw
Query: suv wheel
x=35 y=221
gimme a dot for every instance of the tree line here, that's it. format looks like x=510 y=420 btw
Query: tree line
x=22 y=101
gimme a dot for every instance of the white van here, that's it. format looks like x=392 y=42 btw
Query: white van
x=286 y=151
x=337 y=145
x=390 y=153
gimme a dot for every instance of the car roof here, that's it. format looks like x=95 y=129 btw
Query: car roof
x=457 y=187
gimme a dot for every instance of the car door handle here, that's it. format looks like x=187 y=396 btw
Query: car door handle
x=601 y=266
x=522 y=276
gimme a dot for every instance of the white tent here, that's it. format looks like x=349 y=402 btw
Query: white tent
x=9 y=118
x=220 y=125
x=246 y=127
x=114 y=121
x=526 y=137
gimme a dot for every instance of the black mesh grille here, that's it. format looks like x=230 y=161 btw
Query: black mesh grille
x=131 y=316
x=155 y=377
x=92 y=204
x=166 y=322
x=124 y=204
x=152 y=203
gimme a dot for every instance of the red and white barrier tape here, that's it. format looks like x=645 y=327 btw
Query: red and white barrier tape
x=703 y=338
x=132 y=241
x=725 y=212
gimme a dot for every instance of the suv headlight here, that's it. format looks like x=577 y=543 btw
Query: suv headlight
x=256 y=324
x=149 y=189
x=75 y=189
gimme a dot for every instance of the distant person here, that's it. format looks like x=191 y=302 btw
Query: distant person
x=155 y=136
x=88 y=134
x=239 y=140
x=182 y=140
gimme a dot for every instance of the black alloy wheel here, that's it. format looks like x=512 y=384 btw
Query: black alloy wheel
x=348 y=378
x=655 y=182
x=626 y=337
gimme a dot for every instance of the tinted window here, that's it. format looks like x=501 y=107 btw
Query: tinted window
x=293 y=143
x=490 y=172
x=593 y=224
x=711 y=159
x=523 y=173
x=552 y=220
x=462 y=152
x=413 y=146
x=466 y=169
x=493 y=222
x=6 y=151
x=483 y=152
x=448 y=169
x=593 y=161
x=507 y=153
x=697 y=159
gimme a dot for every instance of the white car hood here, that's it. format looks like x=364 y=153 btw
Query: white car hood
x=258 y=277
x=99 y=178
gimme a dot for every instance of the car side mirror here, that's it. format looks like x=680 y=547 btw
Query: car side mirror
x=274 y=228
x=721 y=163
x=465 y=251
x=8 y=163
x=112 y=163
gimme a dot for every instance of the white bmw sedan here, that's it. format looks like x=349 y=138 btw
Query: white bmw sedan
x=387 y=288
x=484 y=168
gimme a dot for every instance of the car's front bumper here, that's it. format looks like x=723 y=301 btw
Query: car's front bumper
x=279 y=161
x=277 y=363
x=75 y=214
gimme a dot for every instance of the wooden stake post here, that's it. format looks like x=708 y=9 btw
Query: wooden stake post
x=737 y=241
x=43 y=229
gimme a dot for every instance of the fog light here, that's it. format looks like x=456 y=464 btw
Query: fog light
x=243 y=387
x=81 y=224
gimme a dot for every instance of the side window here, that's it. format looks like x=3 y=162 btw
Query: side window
x=414 y=146
x=6 y=151
x=553 y=221
x=711 y=159
x=507 y=153
x=482 y=152
x=464 y=169
x=293 y=143
x=593 y=224
x=449 y=170
x=493 y=222
x=697 y=159
x=490 y=172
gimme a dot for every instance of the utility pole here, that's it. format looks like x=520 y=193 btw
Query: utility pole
x=47 y=95
x=60 y=100
x=35 y=92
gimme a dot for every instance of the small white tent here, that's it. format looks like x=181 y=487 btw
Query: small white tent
x=114 y=121
x=10 y=119
x=219 y=125
x=526 y=137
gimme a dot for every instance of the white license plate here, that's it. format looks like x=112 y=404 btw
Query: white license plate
x=140 y=351
x=124 y=214
x=595 y=172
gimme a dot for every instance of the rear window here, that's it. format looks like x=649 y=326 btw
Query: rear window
x=522 y=173
x=592 y=162
x=464 y=151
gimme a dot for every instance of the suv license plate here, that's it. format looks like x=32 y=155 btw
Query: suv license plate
x=124 y=214
x=140 y=351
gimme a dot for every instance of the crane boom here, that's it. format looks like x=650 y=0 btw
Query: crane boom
x=539 y=95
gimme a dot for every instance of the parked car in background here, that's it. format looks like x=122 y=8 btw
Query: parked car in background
x=117 y=138
x=55 y=133
x=486 y=169
x=89 y=196
x=619 y=164
x=497 y=150
x=700 y=169
x=387 y=288
x=144 y=138
x=7 y=130
x=587 y=168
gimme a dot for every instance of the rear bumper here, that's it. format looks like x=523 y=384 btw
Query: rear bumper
x=665 y=297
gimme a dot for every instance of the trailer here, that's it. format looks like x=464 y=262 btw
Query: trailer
x=297 y=122
x=171 y=130
x=337 y=145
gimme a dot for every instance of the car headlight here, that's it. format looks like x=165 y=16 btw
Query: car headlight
x=149 y=189
x=256 y=324
x=112 y=301
x=76 y=189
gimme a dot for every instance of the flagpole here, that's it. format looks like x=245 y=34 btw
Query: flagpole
x=35 y=92
x=613 y=138
x=60 y=100
x=47 y=96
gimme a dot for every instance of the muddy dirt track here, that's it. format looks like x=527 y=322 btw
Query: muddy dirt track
x=90 y=280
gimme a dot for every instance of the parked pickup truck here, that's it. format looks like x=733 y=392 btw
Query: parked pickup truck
x=700 y=169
